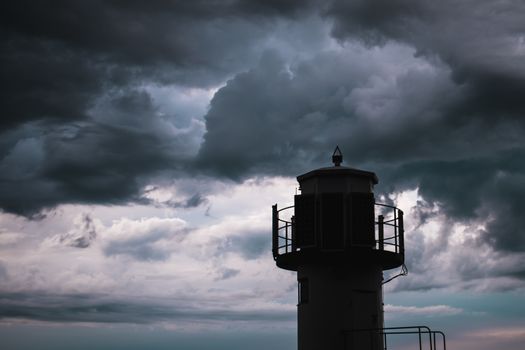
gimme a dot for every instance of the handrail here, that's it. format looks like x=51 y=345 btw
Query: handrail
x=385 y=205
x=383 y=332
x=283 y=241
x=288 y=207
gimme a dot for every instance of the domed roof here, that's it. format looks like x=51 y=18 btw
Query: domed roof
x=339 y=171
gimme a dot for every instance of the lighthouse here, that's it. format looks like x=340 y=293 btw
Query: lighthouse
x=339 y=241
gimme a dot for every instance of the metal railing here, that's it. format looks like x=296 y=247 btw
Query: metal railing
x=389 y=231
x=426 y=338
x=390 y=218
x=282 y=238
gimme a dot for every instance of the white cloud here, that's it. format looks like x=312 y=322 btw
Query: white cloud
x=185 y=257
x=425 y=311
x=503 y=333
x=145 y=239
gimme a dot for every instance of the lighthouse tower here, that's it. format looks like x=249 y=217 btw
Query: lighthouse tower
x=339 y=240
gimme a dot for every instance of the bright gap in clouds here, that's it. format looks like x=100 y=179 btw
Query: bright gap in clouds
x=201 y=265
x=450 y=255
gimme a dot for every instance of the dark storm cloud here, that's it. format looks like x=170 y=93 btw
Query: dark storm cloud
x=482 y=41
x=94 y=308
x=453 y=128
x=436 y=103
x=483 y=44
x=60 y=60
x=45 y=81
x=57 y=57
x=97 y=160
x=267 y=121
x=279 y=119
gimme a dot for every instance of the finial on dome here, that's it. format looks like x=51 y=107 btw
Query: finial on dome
x=337 y=157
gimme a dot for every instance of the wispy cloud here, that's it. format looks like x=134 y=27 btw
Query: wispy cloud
x=97 y=308
x=511 y=333
x=425 y=311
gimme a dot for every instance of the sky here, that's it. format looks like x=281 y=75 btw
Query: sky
x=142 y=145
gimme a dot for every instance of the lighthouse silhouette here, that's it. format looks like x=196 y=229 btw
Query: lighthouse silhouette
x=339 y=240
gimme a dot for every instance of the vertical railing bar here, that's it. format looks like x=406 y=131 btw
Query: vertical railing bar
x=401 y=233
x=275 y=231
x=286 y=237
x=291 y=242
x=381 y=232
x=294 y=238
x=444 y=340
x=430 y=338
x=419 y=335
x=395 y=230
x=290 y=236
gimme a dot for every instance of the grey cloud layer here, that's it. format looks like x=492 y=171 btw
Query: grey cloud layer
x=433 y=99
x=57 y=59
x=455 y=130
x=79 y=125
x=99 y=160
x=93 y=308
x=482 y=42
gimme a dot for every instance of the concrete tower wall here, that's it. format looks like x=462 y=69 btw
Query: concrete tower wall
x=339 y=299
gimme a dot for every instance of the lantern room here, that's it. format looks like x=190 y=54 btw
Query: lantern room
x=336 y=217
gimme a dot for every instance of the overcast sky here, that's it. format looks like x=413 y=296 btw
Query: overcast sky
x=142 y=144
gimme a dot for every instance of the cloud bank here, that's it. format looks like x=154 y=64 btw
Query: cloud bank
x=178 y=108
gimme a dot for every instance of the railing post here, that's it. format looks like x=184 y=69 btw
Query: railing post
x=275 y=231
x=444 y=340
x=429 y=337
x=419 y=335
x=294 y=243
x=401 y=234
x=286 y=237
x=396 y=231
x=381 y=233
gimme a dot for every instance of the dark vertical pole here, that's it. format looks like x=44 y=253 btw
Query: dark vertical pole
x=381 y=233
x=286 y=237
x=401 y=234
x=395 y=231
x=275 y=231
x=294 y=232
